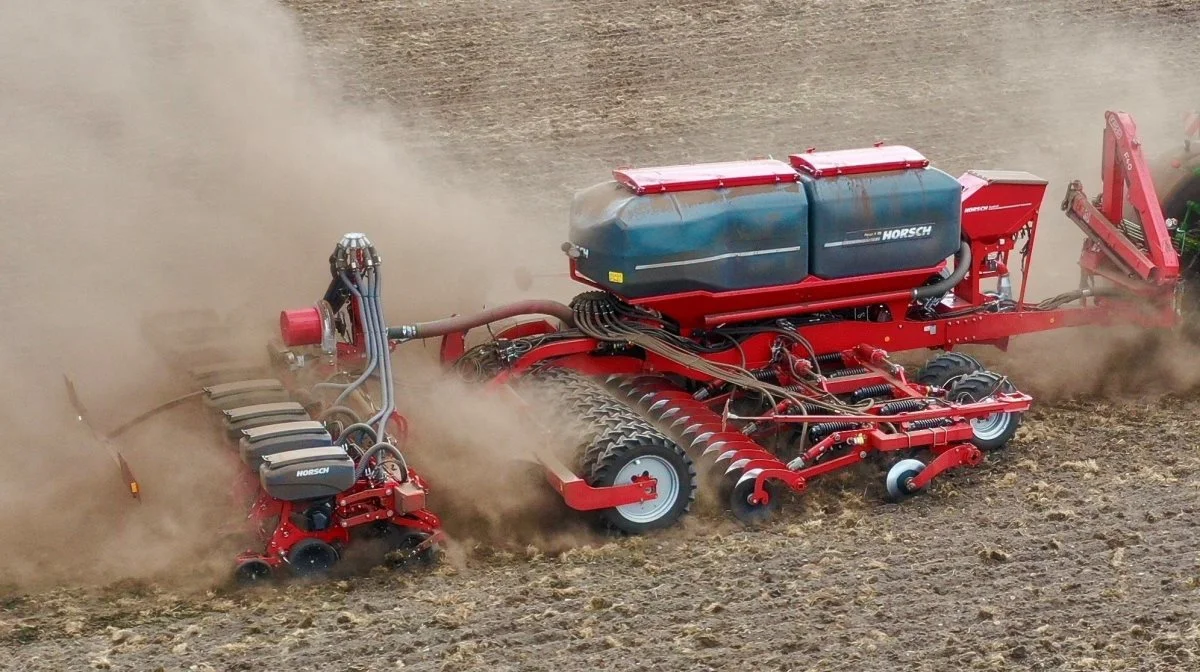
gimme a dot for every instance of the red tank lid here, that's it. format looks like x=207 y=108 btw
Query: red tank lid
x=876 y=159
x=701 y=176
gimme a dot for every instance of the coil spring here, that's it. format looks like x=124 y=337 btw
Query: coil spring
x=818 y=431
x=871 y=391
x=792 y=407
x=930 y=423
x=764 y=375
x=1135 y=232
x=805 y=408
x=902 y=406
x=830 y=358
x=842 y=373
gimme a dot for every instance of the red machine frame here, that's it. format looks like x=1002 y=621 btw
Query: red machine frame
x=998 y=209
x=400 y=504
x=1125 y=278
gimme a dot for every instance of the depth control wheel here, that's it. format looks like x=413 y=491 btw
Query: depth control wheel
x=628 y=459
x=750 y=512
x=898 y=477
x=402 y=544
x=252 y=572
x=312 y=558
x=995 y=430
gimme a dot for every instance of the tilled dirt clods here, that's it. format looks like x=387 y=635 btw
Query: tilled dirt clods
x=1072 y=549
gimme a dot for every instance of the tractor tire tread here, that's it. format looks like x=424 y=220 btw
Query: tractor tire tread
x=946 y=367
x=601 y=416
x=614 y=452
x=978 y=386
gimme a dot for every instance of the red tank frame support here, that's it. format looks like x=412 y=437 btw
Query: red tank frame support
x=1125 y=174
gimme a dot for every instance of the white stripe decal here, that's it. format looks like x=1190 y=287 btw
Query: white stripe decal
x=995 y=207
x=705 y=260
x=847 y=243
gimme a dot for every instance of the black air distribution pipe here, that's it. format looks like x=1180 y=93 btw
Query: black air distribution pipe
x=962 y=264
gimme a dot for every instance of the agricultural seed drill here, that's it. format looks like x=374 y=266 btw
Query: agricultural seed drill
x=741 y=316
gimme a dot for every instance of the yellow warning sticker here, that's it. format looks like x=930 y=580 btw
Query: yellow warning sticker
x=616 y=276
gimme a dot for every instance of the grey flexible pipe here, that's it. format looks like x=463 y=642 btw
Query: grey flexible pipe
x=360 y=427
x=375 y=450
x=388 y=403
x=371 y=333
x=385 y=352
x=372 y=360
x=962 y=264
x=451 y=325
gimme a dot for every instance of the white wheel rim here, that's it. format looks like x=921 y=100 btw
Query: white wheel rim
x=894 y=487
x=667 y=488
x=991 y=427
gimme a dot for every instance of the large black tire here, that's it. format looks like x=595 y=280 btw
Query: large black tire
x=595 y=408
x=947 y=368
x=995 y=430
x=676 y=473
x=1176 y=186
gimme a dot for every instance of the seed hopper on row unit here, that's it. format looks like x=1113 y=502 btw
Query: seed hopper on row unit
x=738 y=324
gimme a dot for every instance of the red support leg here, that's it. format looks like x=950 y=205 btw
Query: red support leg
x=961 y=455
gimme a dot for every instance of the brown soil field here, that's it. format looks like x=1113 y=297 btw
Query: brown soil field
x=1074 y=548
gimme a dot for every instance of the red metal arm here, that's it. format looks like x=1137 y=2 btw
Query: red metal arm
x=1126 y=175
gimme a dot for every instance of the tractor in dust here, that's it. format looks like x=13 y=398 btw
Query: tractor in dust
x=739 y=316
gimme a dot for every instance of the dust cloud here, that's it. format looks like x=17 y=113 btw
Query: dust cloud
x=1057 y=134
x=183 y=154
x=477 y=447
x=189 y=154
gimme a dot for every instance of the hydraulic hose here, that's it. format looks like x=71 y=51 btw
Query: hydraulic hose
x=451 y=325
x=962 y=264
x=359 y=427
x=371 y=330
x=375 y=450
x=373 y=360
x=382 y=347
